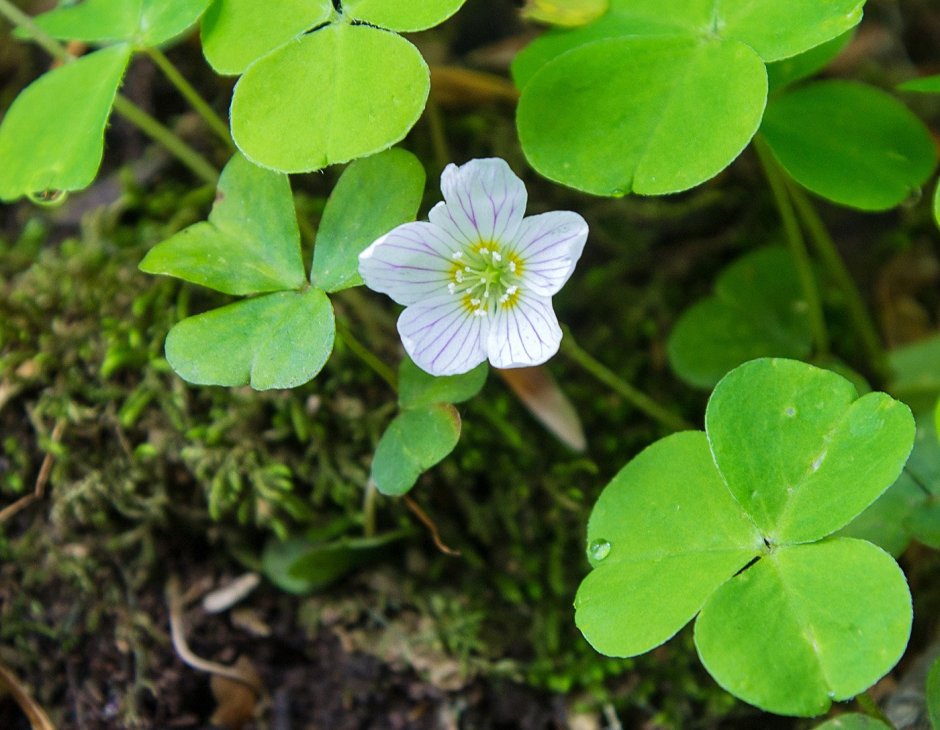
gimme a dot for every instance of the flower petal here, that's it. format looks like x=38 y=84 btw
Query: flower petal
x=410 y=263
x=442 y=336
x=549 y=245
x=524 y=334
x=485 y=201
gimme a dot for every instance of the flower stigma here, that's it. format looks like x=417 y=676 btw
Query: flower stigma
x=486 y=278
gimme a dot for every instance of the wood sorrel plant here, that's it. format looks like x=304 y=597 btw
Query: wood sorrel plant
x=750 y=526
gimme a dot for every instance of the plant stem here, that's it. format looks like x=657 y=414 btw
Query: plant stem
x=123 y=106
x=367 y=356
x=158 y=133
x=215 y=122
x=368 y=509
x=828 y=253
x=868 y=704
x=634 y=396
x=797 y=244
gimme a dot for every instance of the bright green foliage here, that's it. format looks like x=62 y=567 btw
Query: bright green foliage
x=278 y=340
x=829 y=612
x=236 y=32
x=373 y=196
x=822 y=438
x=852 y=721
x=655 y=566
x=417 y=388
x=850 y=143
x=790 y=70
x=404 y=16
x=250 y=244
x=142 y=23
x=414 y=442
x=657 y=102
x=52 y=138
x=936 y=205
x=885 y=522
x=727 y=524
x=301 y=565
x=924 y=85
x=933 y=694
x=682 y=113
x=758 y=310
x=352 y=91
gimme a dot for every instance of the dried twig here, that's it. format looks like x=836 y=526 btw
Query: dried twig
x=429 y=523
x=37 y=717
x=178 y=636
x=39 y=491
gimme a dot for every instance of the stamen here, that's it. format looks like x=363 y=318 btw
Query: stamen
x=458 y=275
x=496 y=257
x=458 y=254
x=452 y=287
x=512 y=267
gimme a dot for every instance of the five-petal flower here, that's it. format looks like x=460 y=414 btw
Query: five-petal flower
x=477 y=279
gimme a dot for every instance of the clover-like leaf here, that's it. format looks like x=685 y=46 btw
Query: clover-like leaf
x=885 y=521
x=416 y=388
x=251 y=242
x=834 y=616
x=372 y=196
x=279 y=340
x=654 y=564
x=716 y=524
x=404 y=16
x=143 y=23
x=824 y=456
x=850 y=143
x=922 y=85
x=775 y=29
x=647 y=115
x=52 y=137
x=352 y=89
x=414 y=442
x=790 y=70
x=758 y=310
x=237 y=32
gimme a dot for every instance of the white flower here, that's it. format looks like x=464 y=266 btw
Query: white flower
x=477 y=279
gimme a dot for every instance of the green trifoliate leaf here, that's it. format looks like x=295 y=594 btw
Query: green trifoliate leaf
x=805 y=625
x=142 y=23
x=852 y=721
x=916 y=378
x=52 y=138
x=885 y=522
x=251 y=242
x=279 y=340
x=936 y=205
x=414 y=442
x=373 y=196
x=775 y=29
x=417 y=388
x=236 y=32
x=793 y=69
x=850 y=143
x=823 y=456
x=758 y=310
x=342 y=92
x=663 y=536
x=404 y=16
x=644 y=115
x=565 y=13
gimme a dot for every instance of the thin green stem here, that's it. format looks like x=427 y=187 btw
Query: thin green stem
x=826 y=249
x=438 y=135
x=797 y=245
x=158 y=133
x=43 y=39
x=871 y=708
x=367 y=356
x=123 y=106
x=634 y=396
x=202 y=107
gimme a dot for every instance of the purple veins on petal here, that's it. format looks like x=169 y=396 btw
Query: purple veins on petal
x=485 y=199
x=442 y=336
x=524 y=334
x=550 y=244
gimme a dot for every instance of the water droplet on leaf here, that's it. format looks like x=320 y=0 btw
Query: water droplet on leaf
x=599 y=549
x=48 y=197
